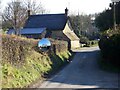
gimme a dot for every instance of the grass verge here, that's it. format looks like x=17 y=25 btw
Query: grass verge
x=66 y=58
x=36 y=67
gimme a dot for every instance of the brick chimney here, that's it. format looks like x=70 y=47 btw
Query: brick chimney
x=29 y=13
x=66 y=11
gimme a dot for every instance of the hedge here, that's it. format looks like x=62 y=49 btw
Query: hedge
x=110 y=49
x=22 y=64
x=58 y=46
x=15 y=49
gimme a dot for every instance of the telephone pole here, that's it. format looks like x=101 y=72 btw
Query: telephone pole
x=114 y=15
x=114 y=12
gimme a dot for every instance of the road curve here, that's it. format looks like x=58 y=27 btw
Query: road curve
x=83 y=72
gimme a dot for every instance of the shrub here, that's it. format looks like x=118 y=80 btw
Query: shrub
x=84 y=40
x=110 y=49
x=58 y=46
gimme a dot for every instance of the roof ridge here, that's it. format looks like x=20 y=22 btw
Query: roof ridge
x=47 y=14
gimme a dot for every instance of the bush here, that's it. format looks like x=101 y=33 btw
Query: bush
x=84 y=40
x=110 y=49
x=58 y=46
x=15 y=49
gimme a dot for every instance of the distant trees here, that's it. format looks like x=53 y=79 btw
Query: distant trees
x=16 y=13
x=104 y=21
x=34 y=7
x=83 y=25
x=80 y=23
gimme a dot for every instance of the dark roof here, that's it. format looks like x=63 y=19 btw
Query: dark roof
x=48 y=21
x=28 y=31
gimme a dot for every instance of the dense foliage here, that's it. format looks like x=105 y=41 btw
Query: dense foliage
x=110 y=47
x=22 y=64
x=104 y=20
x=110 y=39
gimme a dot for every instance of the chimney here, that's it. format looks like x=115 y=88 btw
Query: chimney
x=66 y=11
x=29 y=13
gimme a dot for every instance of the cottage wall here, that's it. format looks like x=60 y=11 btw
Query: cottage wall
x=75 y=44
x=68 y=35
x=67 y=29
x=74 y=40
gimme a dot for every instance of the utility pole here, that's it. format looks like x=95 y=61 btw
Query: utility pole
x=114 y=15
x=114 y=11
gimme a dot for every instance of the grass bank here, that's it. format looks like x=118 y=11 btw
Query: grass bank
x=22 y=65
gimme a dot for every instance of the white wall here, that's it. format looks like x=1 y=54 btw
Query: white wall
x=75 y=44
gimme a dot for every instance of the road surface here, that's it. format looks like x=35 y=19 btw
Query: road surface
x=83 y=72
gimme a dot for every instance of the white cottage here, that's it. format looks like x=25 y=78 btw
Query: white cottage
x=57 y=27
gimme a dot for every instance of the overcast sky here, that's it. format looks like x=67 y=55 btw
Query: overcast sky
x=74 y=6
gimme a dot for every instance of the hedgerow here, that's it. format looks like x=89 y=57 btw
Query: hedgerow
x=110 y=48
x=22 y=64
x=15 y=49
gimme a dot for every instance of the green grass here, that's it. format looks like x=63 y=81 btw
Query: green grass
x=58 y=61
x=34 y=68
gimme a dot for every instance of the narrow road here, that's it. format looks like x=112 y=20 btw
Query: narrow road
x=83 y=72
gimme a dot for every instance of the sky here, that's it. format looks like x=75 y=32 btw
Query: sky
x=74 y=6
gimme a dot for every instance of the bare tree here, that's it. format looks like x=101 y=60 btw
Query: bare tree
x=15 y=15
x=34 y=6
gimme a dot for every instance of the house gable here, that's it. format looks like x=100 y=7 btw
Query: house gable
x=70 y=33
x=74 y=40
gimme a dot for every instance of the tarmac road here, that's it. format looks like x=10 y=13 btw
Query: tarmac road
x=83 y=72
